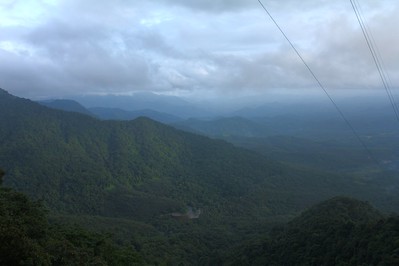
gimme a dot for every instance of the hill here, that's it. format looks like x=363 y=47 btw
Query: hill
x=312 y=126
x=120 y=114
x=139 y=174
x=80 y=164
x=144 y=101
x=66 y=105
x=316 y=141
x=340 y=231
x=83 y=165
x=222 y=127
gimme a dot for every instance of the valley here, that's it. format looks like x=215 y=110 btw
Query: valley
x=138 y=180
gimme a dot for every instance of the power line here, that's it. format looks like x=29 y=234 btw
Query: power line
x=371 y=156
x=377 y=61
x=375 y=55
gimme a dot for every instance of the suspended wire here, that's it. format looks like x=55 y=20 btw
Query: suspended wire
x=371 y=156
x=376 y=56
x=387 y=77
x=369 y=36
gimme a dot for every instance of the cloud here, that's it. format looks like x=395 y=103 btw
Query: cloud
x=70 y=47
x=210 y=5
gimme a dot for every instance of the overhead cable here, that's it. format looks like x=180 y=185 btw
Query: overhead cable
x=376 y=57
x=371 y=156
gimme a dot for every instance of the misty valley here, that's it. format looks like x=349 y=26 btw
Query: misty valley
x=113 y=182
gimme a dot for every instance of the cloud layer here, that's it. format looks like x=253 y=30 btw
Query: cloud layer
x=56 y=48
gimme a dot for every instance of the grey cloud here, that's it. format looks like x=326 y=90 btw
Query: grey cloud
x=68 y=62
x=344 y=60
x=211 y=5
x=26 y=75
x=116 y=46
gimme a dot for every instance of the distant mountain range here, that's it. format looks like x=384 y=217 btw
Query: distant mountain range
x=66 y=105
x=300 y=119
x=108 y=113
x=306 y=137
x=80 y=164
x=174 y=106
x=136 y=174
x=315 y=125
x=119 y=114
x=63 y=153
x=224 y=127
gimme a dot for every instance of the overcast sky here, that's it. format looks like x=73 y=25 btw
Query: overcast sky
x=198 y=48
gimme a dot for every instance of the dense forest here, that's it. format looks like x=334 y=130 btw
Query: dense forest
x=27 y=238
x=147 y=193
x=340 y=231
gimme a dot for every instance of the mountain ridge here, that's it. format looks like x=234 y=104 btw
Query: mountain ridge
x=66 y=105
x=121 y=114
x=85 y=147
x=138 y=173
x=71 y=154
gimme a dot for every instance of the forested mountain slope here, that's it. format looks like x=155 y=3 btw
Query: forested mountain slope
x=339 y=231
x=79 y=164
x=28 y=239
x=66 y=105
x=76 y=163
x=139 y=176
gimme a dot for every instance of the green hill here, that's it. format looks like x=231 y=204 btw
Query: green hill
x=82 y=165
x=66 y=105
x=129 y=177
x=223 y=127
x=340 y=231
x=136 y=169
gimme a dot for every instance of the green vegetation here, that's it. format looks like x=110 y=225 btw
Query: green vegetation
x=317 y=141
x=28 y=239
x=340 y=231
x=124 y=179
x=142 y=169
x=66 y=105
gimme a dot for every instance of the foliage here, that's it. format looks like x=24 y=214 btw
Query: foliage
x=340 y=231
x=28 y=239
x=128 y=177
x=22 y=230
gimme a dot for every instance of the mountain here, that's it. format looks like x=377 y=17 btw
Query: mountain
x=312 y=127
x=120 y=114
x=317 y=126
x=66 y=105
x=222 y=127
x=137 y=169
x=142 y=178
x=80 y=164
x=339 y=231
x=145 y=101
x=287 y=108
